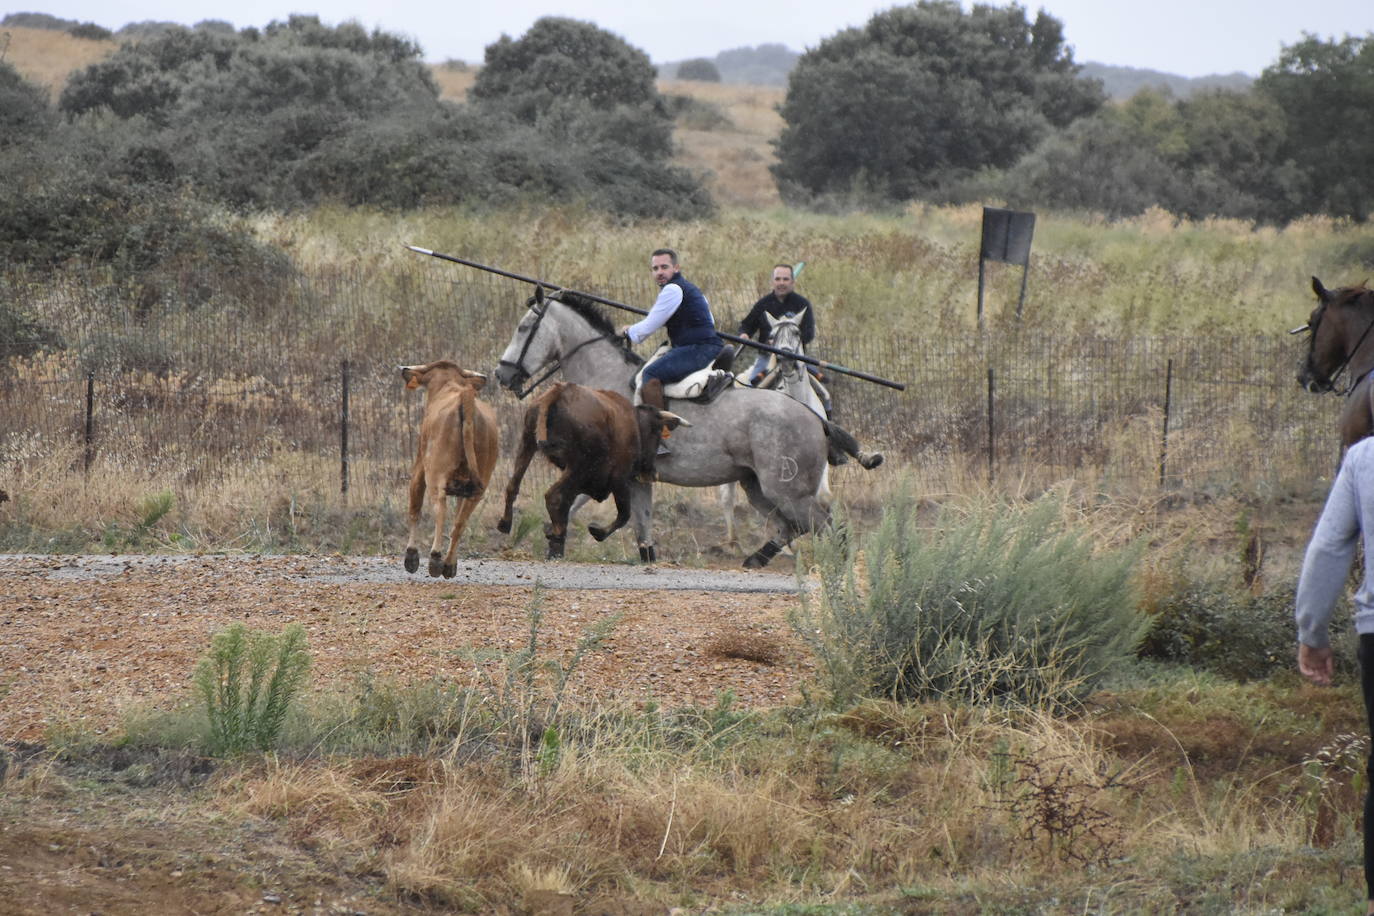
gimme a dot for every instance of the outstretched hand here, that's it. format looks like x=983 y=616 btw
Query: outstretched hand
x=1315 y=664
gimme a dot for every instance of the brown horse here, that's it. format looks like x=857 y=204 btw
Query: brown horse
x=1342 y=340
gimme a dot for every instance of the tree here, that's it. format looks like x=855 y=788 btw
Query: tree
x=592 y=100
x=1325 y=90
x=698 y=68
x=925 y=94
x=560 y=59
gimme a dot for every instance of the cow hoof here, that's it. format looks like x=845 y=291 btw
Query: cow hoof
x=598 y=532
x=761 y=557
x=503 y=526
x=450 y=570
x=648 y=554
x=412 y=560
x=869 y=462
x=435 y=561
x=464 y=489
x=555 y=551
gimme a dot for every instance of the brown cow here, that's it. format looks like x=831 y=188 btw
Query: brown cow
x=593 y=436
x=457 y=453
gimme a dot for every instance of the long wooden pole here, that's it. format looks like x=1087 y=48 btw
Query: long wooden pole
x=800 y=357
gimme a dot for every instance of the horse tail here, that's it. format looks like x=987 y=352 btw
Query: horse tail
x=846 y=442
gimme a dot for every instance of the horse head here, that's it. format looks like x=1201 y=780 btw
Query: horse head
x=785 y=332
x=1339 y=326
x=556 y=326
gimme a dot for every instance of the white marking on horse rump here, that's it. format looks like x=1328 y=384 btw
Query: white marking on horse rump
x=788 y=468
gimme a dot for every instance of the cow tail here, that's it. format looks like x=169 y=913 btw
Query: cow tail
x=467 y=408
x=545 y=402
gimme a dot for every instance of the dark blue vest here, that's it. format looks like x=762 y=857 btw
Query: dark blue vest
x=692 y=322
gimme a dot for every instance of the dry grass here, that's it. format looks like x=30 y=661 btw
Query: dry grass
x=734 y=158
x=454 y=82
x=46 y=57
x=858 y=806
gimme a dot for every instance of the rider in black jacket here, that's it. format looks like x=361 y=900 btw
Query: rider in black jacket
x=784 y=299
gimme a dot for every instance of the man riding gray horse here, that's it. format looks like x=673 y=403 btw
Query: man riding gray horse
x=681 y=308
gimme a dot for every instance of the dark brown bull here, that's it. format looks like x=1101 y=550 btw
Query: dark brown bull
x=593 y=436
x=456 y=455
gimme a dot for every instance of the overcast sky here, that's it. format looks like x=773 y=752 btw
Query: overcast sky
x=1186 y=37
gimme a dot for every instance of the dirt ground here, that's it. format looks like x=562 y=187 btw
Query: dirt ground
x=83 y=639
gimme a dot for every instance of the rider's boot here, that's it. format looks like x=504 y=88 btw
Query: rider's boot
x=651 y=393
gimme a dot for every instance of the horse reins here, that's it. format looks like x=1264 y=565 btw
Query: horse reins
x=553 y=366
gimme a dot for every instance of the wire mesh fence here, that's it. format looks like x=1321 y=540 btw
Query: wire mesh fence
x=209 y=390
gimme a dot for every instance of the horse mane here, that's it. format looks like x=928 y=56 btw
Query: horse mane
x=594 y=316
x=1349 y=295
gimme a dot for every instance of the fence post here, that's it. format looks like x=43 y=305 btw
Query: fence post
x=1164 y=436
x=992 y=439
x=343 y=430
x=90 y=418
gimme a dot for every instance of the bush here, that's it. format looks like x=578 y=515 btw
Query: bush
x=998 y=603
x=1234 y=634
x=247 y=682
x=700 y=69
x=25 y=114
x=148 y=236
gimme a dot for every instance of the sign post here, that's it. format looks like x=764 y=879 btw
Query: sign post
x=1006 y=237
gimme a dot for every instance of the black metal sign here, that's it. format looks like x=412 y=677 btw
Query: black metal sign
x=1006 y=237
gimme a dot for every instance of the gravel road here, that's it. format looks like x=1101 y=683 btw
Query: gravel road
x=386 y=570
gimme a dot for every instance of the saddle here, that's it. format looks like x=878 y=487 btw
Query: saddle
x=702 y=386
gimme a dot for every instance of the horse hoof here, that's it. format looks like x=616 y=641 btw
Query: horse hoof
x=755 y=561
x=449 y=570
x=555 y=551
x=412 y=560
x=435 y=560
x=598 y=532
x=869 y=462
x=503 y=526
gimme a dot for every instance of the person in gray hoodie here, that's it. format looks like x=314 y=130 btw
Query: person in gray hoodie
x=1347 y=518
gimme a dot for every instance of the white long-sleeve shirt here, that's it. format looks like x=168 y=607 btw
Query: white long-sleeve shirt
x=1348 y=513
x=669 y=298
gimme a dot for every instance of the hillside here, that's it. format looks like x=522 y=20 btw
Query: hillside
x=1124 y=82
x=769 y=65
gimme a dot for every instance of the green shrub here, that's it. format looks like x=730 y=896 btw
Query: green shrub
x=996 y=603
x=247 y=682
x=1233 y=633
x=24 y=109
x=698 y=68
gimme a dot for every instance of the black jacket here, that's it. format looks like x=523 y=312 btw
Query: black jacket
x=756 y=326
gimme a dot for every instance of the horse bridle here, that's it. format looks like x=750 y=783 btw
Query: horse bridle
x=1345 y=362
x=539 y=305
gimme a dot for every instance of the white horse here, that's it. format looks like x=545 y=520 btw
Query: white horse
x=770 y=444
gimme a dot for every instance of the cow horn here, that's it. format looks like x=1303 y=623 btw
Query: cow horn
x=1300 y=329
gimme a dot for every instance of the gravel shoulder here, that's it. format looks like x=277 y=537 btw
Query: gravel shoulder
x=85 y=638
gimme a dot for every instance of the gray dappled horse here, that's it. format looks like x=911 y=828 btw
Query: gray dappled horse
x=773 y=446
x=793 y=379
x=1342 y=340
